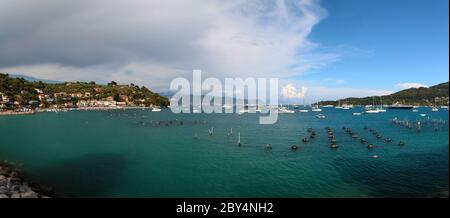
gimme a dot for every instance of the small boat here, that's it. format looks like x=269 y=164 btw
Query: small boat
x=415 y=110
x=401 y=143
x=305 y=140
x=370 y=146
x=422 y=115
x=211 y=131
x=333 y=145
x=356 y=114
x=434 y=109
x=284 y=110
x=155 y=109
x=303 y=111
x=320 y=116
x=268 y=147
x=375 y=156
x=372 y=111
x=294 y=147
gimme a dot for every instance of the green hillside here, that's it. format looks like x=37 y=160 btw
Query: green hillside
x=24 y=91
x=414 y=96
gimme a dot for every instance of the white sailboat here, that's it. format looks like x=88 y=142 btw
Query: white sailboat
x=316 y=108
x=381 y=109
x=339 y=105
x=434 y=108
x=304 y=110
x=372 y=110
x=155 y=109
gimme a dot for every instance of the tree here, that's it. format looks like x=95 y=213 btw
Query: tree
x=112 y=83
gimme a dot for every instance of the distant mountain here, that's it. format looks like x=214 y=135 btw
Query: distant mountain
x=33 y=79
x=415 y=96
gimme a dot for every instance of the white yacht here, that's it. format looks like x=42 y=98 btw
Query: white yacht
x=155 y=109
x=284 y=110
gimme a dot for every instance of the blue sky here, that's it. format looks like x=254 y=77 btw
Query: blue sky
x=330 y=48
x=385 y=42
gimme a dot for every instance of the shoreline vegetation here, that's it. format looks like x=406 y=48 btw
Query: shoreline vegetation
x=12 y=185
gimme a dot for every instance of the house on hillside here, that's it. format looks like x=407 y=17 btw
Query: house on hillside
x=3 y=98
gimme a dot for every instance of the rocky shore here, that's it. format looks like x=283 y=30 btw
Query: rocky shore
x=13 y=186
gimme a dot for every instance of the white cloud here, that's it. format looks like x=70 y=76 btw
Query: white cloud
x=408 y=85
x=150 y=42
x=290 y=92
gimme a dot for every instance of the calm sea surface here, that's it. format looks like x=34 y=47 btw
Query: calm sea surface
x=137 y=153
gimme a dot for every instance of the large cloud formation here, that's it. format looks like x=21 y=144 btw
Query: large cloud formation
x=151 y=41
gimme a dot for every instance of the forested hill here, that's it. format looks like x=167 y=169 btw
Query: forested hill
x=438 y=94
x=23 y=91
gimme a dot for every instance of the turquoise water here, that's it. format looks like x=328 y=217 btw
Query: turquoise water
x=136 y=153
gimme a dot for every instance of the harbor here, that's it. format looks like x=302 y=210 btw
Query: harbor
x=133 y=153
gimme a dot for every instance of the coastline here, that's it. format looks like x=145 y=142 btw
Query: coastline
x=12 y=185
x=10 y=113
x=43 y=110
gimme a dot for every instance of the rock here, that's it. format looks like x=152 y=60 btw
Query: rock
x=3 y=190
x=4 y=196
x=15 y=195
x=29 y=194
x=44 y=196
x=2 y=177
x=24 y=188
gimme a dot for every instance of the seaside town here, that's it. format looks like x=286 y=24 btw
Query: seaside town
x=19 y=96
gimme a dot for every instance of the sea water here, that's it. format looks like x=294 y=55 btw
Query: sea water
x=139 y=153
